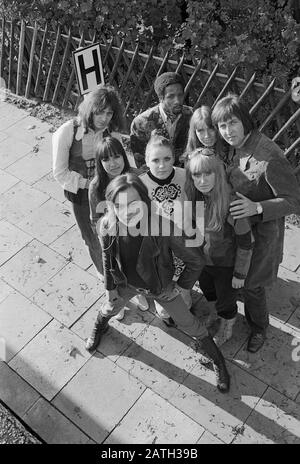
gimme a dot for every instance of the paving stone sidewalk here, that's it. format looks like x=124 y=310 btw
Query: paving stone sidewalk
x=145 y=383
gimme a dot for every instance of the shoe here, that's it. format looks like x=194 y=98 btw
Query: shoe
x=213 y=352
x=100 y=276
x=100 y=327
x=169 y=322
x=120 y=315
x=255 y=342
x=141 y=302
x=213 y=326
x=224 y=332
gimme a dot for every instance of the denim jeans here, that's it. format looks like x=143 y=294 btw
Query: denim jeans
x=216 y=285
x=175 y=307
x=82 y=216
x=256 y=311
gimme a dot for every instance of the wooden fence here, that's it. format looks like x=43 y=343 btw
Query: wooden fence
x=37 y=62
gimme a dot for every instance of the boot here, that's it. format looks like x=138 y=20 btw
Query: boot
x=120 y=315
x=141 y=302
x=100 y=327
x=211 y=349
x=224 y=332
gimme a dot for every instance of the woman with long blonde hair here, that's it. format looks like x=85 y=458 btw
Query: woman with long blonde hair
x=227 y=243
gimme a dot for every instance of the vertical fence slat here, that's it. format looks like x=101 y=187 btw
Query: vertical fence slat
x=32 y=51
x=69 y=87
x=149 y=58
x=132 y=63
x=180 y=64
x=52 y=64
x=108 y=49
x=276 y=110
x=11 y=54
x=226 y=85
x=62 y=68
x=248 y=85
x=293 y=106
x=127 y=63
x=206 y=87
x=262 y=97
x=192 y=78
x=140 y=59
x=2 y=47
x=71 y=78
x=39 y=73
x=159 y=72
x=79 y=96
x=115 y=67
x=291 y=148
x=20 y=57
x=287 y=125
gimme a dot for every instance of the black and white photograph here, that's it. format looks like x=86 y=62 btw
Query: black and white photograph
x=149 y=226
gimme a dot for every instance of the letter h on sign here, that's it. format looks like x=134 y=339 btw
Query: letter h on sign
x=88 y=66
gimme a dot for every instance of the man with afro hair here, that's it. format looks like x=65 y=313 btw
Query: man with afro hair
x=169 y=118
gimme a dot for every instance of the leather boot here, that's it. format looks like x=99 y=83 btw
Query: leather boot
x=100 y=327
x=224 y=332
x=213 y=352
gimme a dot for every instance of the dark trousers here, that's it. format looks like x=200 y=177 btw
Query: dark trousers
x=216 y=285
x=82 y=216
x=256 y=311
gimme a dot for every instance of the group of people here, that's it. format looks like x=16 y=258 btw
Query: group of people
x=205 y=202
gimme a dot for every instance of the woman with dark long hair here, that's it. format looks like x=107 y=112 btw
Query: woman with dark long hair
x=111 y=161
x=137 y=245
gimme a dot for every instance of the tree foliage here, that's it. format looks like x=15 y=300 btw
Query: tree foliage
x=261 y=35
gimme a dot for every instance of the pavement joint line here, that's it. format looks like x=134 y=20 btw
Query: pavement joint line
x=27 y=343
x=113 y=362
x=59 y=411
x=12 y=256
x=60 y=236
x=285 y=327
x=128 y=410
x=92 y=304
x=22 y=422
x=252 y=373
x=19 y=159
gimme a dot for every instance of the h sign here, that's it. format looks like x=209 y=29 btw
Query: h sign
x=88 y=66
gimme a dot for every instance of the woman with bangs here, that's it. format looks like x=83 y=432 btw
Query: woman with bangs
x=267 y=191
x=74 y=156
x=227 y=244
x=111 y=161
